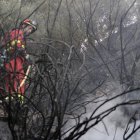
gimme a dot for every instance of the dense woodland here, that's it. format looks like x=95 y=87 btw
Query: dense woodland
x=85 y=56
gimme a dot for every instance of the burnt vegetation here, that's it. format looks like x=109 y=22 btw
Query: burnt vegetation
x=84 y=53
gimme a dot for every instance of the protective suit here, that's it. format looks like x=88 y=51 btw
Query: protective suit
x=14 y=44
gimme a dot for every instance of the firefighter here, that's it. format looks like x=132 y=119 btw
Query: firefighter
x=14 y=43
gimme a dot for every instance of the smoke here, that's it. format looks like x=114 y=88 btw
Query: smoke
x=114 y=125
x=112 y=128
x=114 y=133
x=111 y=132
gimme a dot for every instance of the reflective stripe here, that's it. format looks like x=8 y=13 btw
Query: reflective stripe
x=20 y=97
x=10 y=48
x=23 y=46
x=18 y=41
x=13 y=43
x=7 y=98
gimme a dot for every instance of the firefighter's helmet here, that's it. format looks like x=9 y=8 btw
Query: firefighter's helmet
x=30 y=22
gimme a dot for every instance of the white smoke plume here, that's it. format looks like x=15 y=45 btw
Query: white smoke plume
x=114 y=125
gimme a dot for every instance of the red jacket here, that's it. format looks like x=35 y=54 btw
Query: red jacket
x=14 y=41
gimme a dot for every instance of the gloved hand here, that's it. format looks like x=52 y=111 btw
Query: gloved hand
x=28 y=60
x=27 y=56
